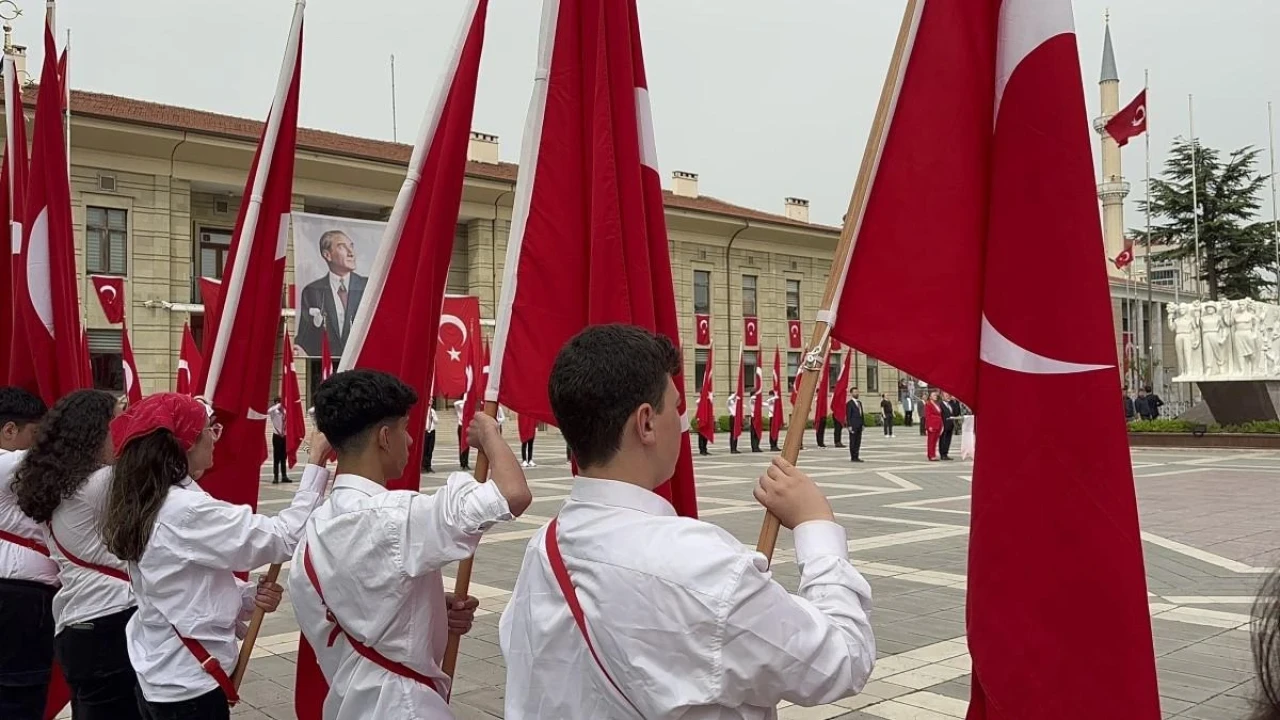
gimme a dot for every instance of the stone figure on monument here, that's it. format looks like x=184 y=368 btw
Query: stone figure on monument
x=1244 y=336
x=1186 y=332
x=1214 y=332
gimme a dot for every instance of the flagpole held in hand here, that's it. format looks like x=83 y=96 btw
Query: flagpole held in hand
x=251 y=636
x=462 y=584
x=813 y=360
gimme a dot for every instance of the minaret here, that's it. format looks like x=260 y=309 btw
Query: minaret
x=1112 y=188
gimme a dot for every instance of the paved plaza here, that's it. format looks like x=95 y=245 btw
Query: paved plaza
x=1208 y=524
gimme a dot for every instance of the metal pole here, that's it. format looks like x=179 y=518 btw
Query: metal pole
x=394 y=137
x=1195 y=189
x=1151 y=351
x=1275 y=209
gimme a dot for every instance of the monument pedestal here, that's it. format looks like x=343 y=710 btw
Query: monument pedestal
x=1233 y=402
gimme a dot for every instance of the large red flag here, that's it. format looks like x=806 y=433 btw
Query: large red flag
x=240 y=338
x=49 y=309
x=589 y=240
x=132 y=384
x=702 y=332
x=775 y=422
x=1129 y=122
x=18 y=368
x=110 y=291
x=751 y=331
x=840 y=396
x=189 y=363
x=757 y=400
x=1012 y=148
x=736 y=428
x=295 y=424
x=794 y=331
x=707 y=401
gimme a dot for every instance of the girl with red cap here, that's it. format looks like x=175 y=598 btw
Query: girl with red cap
x=182 y=548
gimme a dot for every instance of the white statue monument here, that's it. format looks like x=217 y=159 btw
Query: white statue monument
x=1186 y=333
x=1226 y=340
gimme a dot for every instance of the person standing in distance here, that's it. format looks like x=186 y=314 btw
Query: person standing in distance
x=855 y=421
x=279 y=455
x=886 y=414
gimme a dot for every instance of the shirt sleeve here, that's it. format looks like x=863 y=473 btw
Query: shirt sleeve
x=446 y=527
x=223 y=536
x=809 y=649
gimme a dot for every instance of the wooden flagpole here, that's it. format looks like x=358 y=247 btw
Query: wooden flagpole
x=251 y=637
x=462 y=583
x=814 y=356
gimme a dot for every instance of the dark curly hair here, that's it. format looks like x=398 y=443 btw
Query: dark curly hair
x=349 y=405
x=68 y=448
x=1266 y=650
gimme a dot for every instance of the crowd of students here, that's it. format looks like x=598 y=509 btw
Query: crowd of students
x=115 y=563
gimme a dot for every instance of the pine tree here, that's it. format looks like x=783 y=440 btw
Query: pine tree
x=1234 y=244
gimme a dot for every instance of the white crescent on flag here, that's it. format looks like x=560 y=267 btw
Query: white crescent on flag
x=703 y=324
x=1002 y=352
x=128 y=377
x=38 y=270
x=109 y=289
x=1139 y=116
x=455 y=355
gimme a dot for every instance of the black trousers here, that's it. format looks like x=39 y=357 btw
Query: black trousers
x=822 y=432
x=702 y=445
x=773 y=443
x=888 y=424
x=95 y=661
x=755 y=439
x=733 y=443
x=944 y=442
x=279 y=458
x=855 y=442
x=921 y=423
x=906 y=417
x=526 y=450
x=839 y=430
x=464 y=456
x=26 y=648
x=209 y=706
x=428 y=449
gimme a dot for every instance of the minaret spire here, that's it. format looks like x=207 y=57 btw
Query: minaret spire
x=1109 y=71
x=1112 y=189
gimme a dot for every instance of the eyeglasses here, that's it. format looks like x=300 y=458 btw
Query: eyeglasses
x=215 y=431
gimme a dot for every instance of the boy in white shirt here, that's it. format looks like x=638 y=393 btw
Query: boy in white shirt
x=623 y=610
x=366 y=583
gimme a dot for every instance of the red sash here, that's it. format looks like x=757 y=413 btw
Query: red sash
x=363 y=650
x=27 y=543
x=575 y=608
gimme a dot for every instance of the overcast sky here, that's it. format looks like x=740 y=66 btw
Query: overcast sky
x=764 y=99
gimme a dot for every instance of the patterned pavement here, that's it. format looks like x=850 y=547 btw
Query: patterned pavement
x=1209 y=535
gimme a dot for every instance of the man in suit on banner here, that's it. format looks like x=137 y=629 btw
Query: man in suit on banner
x=329 y=304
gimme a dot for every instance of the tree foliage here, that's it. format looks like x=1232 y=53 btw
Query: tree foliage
x=1234 y=243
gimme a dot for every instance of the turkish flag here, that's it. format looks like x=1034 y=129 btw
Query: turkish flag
x=110 y=292
x=757 y=407
x=751 y=331
x=46 y=301
x=736 y=428
x=1012 y=149
x=840 y=396
x=702 y=322
x=589 y=240
x=706 y=412
x=189 y=363
x=295 y=424
x=1130 y=122
x=459 y=324
x=18 y=368
x=795 y=339
x=326 y=357
x=1126 y=256
x=775 y=422
x=241 y=335
x=132 y=385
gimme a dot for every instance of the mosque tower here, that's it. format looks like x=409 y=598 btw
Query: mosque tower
x=1112 y=189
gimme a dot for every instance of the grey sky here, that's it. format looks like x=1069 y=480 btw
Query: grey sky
x=764 y=99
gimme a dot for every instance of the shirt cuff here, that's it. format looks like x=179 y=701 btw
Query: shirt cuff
x=314 y=478
x=817 y=538
x=484 y=506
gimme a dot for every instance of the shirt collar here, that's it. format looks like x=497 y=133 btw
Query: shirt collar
x=615 y=493
x=335 y=280
x=362 y=485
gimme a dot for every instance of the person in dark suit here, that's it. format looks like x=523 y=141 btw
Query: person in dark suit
x=853 y=420
x=1154 y=403
x=1130 y=411
x=886 y=414
x=950 y=411
x=329 y=304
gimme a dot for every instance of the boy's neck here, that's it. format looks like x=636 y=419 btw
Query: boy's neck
x=624 y=470
x=368 y=468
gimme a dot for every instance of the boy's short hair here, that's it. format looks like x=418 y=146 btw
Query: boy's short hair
x=20 y=407
x=600 y=377
x=351 y=404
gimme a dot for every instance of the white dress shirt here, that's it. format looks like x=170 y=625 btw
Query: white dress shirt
x=378 y=555
x=732 y=404
x=18 y=562
x=185 y=581
x=433 y=419
x=686 y=619
x=276 y=414
x=336 y=281
x=86 y=594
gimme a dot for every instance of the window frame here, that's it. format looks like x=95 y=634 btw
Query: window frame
x=101 y=265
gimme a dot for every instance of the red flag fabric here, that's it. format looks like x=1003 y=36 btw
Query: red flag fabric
x=189 y=363
x=706 y=412
x=757 y=404
x=822 y=394
x=1126 y=255
x=295 y=423
x=405 y=295
x=459 y=324
x=795 y=338
x=49 y=309
x=211 y=295
x=326 y=357
x=110 y=292
x=751 y=331
x=475 y=373
x=1130 y=122
x=702 y=322
x=775 y=423
x=835 y=345
x=1013 y=148
x=528 y=427
x=132 y=385
x=589 y=242
x=840 y=396
x=86 y=365
x=240 y=339
x=62 y=78
x=18 y=368
x=735 y=430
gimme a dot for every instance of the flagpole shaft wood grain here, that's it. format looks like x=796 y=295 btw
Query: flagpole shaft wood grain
x=857 y=204
x=462 y=583
x=251 y=637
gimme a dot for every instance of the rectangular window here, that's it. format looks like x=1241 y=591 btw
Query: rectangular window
x=793 y=299
x=793 y=367
x=749 y=296
x=214 y=248
x=106 y=359
x=699 y=369
x=702 y=291
x=750 y=360
x=105 y=234
x=873 y=375
x=833 y=370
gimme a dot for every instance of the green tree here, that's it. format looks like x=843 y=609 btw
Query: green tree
x=1234 y=244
